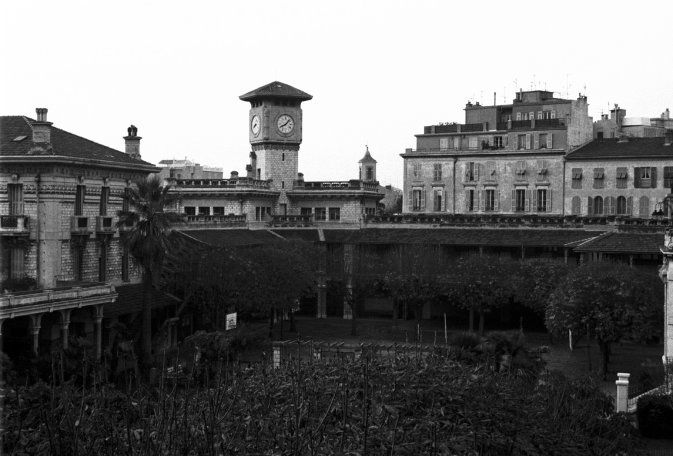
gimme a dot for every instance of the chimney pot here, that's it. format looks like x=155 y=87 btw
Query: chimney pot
x=234 y=175
x=41 y=128
x=132 y=142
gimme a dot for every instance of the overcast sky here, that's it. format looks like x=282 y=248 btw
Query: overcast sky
x=378 y=71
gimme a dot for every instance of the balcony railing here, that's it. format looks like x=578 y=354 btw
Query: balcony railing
x=14 y=224
x=353 y=184
x=65 y=296
x=291 y=220
x=220 y=219
x=79 y=224
x=454 y=128
x=104 y=224
x=241 y=182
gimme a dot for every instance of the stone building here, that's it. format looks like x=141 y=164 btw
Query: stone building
x=503 y=159
x=273 y=191
x=186 y=169
x=63 y=266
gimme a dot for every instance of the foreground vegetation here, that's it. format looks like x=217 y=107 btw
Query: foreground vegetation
x=461 y=400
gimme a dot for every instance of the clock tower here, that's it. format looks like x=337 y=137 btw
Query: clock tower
x=275 y=129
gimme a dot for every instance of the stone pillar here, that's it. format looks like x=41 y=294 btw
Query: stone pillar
x=622 y=402
x=35 y=325
x=65 y=326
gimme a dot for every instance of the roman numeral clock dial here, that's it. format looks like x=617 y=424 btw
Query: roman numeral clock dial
x=285 y=124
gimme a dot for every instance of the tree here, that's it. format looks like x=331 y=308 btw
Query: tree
x=608 y=301
x=482 y=284
x=147 y=240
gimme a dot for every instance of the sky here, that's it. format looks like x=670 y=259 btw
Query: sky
x=378 y=70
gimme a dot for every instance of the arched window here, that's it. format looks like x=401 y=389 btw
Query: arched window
x=644 y=207
x=576 y=206
x=621 y=205
x=609 y=205
x=598 y=205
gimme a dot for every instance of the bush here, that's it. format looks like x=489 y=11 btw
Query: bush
x=465 y=340
x=655 y=416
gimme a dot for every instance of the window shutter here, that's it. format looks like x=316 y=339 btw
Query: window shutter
x=629 y=206
x=550 y=143
x=410 y=202
x=607 y=203
x=496 y=197
x=490 y=141
x=548 y=208
x=422 y=199
x=636 y=177
x=590 y=206
x=575 y=206
x=527 y=205
x=536 y=141
x=654 y=177
x=528 y=141
x=476 y=171
x=467 y=200
x=513 y=200
x=534 y=201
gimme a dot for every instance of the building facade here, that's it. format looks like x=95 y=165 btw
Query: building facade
x=503 y=159
x=273 y=191
x=62 y=258
x=186 y=169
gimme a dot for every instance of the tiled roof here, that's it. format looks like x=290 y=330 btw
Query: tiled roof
x=130 y=299
x=233 y=238
x=276 y=89
x=631 y=148
x=639 y=243
x=62 y=144
x=503 y=237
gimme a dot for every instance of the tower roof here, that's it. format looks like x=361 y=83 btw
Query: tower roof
x=367 y=158
x=276 y=89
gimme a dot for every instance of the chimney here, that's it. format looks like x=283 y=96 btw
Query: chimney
x=667 y=114
x=41 y=128
x=132 y=142
x=234 y=175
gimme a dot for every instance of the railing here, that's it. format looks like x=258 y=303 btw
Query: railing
x=502 y=126
x=454 y=128
x=220 y=219
x=473 y=127
x=241 y=182
x=64 y=291
x=79 y=224
x=352 y=184
x=549 y=123
x=291 y=220
x=451 y=128
x=14 y=224
x=520 y=124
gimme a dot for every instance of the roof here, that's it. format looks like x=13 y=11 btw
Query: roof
x=367 y=158
x=616 y=242
x=276 y=89
x=63 y=144
x=130 y=300
x=631 y=148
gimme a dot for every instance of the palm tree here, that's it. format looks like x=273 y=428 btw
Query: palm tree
x=146 y=238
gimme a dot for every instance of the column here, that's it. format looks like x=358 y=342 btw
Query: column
x=65 y=325
x=35 y=325
x=622 y=402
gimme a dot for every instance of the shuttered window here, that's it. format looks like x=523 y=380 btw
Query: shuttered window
x=622 y=177
x=576 y=206
x=668 y=177
x=576 y=178
x=599 y=178
x=15 y=196
x=79 y=199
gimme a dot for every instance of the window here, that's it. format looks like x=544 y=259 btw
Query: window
x=520 y=169
x=102 y=262
x=283 y=208
x=305 y=211
x=621 y=205
x=518 y=116
x=416 y=170
x=282 y=184
x=645 y=177
x=471 y=171
x=444 y=143
x=621 y=177
x=598 y=206
x=320 y=213
x=79 y=199
x=104 y=197
x=456 y=142
x=78 y=260
x=599 y=176
x=218 y=210
x=490 y=170
x=469 y=200
x=437 y=200
x=473 y=142
x=521 y=142
x=15 y=196
x=369 y=173
x=576 y=206
x=543 y=140
x=519 y=200
x=489 y=200
x=644 y=207
x=437 y=175
x=126 y=201
x=609 y=205
x=539 y=115
x=370 y=211
x=282 y=157
x=543 y=203
x=668 y=177
x=259 y=173
x=497 y=142
x=531 y=115
x=553 y=114
x=417 y=199
x=576 y=178
x=204 y=210
x=334 y=214
x=190 y=210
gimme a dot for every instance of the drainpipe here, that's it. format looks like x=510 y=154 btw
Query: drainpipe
x=38 y=274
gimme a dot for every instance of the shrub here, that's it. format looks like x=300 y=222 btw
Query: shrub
x=465 y=340
x=655 y=416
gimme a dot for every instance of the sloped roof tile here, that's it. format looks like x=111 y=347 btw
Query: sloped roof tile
x=631 y=148
x=276 y=89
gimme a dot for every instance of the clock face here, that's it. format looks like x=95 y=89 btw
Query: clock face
x=255 y=125
x=285 y=124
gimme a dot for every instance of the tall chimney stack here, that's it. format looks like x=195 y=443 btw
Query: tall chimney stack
x=41 y=128
x=132 y=142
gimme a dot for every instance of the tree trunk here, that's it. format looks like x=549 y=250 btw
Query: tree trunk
x=481 y=322
x=146 y=339
x=471 y=320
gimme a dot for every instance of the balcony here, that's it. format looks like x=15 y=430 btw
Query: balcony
x=219 y=220
x=14 y=225
x=237 y=183
x=292 y=220
x=104 y=224
x=79 y=224
x=353 y=184
x=454 y=128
